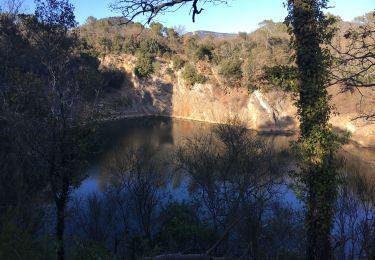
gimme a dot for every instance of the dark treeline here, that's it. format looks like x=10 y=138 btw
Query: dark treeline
x=50 y=84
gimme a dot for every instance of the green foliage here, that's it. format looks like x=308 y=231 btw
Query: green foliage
x=231 y=71
x=203 y=52
x=177 y=62
x=130 y=45
x=90 y=251
x=171 y=33
x=317 y=145
x=105 y=43
x=149 y=46
x=18 y=244
x=191 y=75
x=366 y=18
x=144 y=66
x=117 y=44
x=157 y=28
x=282 y=77
x=335 y=18
x=242 y=35
x=157 y=68
x=182 y=229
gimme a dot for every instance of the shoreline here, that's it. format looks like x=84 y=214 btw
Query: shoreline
x=262 y=132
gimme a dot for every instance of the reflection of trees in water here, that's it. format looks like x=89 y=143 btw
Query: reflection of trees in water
x=235 y=205
x=234 y=181
x=127 y=208
x=354 y=229
x=139 y=177
x=234 y=177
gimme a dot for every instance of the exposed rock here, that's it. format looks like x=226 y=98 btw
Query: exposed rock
x=272 y=111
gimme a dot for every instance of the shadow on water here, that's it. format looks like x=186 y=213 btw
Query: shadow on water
x=166 y=185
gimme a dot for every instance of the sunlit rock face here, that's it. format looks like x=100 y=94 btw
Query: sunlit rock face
x=273 y=111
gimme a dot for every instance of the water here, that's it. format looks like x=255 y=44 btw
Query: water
x=166 y=134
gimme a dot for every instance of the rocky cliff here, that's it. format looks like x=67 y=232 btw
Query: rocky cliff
x=167 y=94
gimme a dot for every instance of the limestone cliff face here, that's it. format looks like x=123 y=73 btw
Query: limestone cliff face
x=271 y=111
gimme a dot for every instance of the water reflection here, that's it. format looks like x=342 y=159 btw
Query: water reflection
x=165 y=134
x=166 y=186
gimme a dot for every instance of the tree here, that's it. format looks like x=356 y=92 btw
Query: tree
x=157 y=29
x=317 y=141
x=233 y=176
x=133 y=8
x=366 y=18
x=58 y=122
x=231 y=71
x=354 y=60
x=143 y=66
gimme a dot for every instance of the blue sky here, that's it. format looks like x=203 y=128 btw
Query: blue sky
x=239 y=15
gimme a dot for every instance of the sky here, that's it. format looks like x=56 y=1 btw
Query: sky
x=237 y=16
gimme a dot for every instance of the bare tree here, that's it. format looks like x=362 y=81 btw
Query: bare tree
x=354 y=229
x=150 y=9
x=355 y=57
x=354 y=62
x=138 y=178
x=233 y=177
x=11 y=7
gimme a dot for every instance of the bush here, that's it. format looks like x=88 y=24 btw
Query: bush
x=282 y=77
x=143 y=66
x=130 y=45
x=85 y=250
x=231 y=71
x=191 y=75
x=183 y=230
x=203 y=52
x=152 y=47
x=117 y=44
x=177 y=62
x=157 y=68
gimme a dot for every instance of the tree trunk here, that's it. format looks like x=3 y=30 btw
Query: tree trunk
x=317 y=140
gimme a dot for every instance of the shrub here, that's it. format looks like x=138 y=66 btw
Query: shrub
x=177 y=62
x=130 y=45
x=282 y=77
x=149 y=46
x=157 y=67
x=117 y=44
x=231 y=71
x=203 y=52
x=152 y=47
x=191 y=75
x=143 y=66
x=183 y=230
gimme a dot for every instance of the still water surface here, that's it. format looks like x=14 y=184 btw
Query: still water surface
x=166 y=134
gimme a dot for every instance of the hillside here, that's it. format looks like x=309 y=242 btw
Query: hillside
x=211 y=76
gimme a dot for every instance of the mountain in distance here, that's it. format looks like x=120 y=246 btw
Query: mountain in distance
x=203 y=33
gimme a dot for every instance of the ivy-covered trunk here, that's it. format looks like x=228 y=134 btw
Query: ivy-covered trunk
x=317 y=142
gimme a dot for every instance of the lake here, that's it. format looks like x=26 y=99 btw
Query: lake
x=126 y=195
x=167 y=133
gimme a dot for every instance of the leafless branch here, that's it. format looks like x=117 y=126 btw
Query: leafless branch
x=151 y=8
